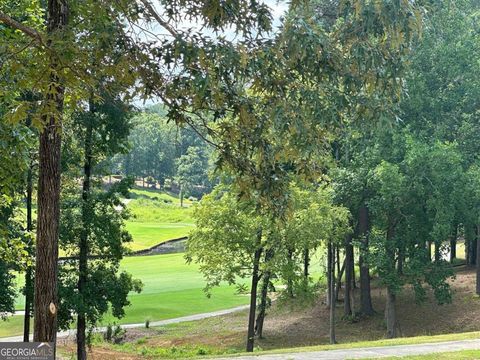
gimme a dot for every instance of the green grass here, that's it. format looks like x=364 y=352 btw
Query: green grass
x=156 y=217
x=139 y=192
x=148 y=234
x=13 y=326
x=171 y=289
x=384 y=342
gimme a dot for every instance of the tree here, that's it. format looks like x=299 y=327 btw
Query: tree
x=191 y=170
x=92 y=226
x=14 y=139
x=232 y=241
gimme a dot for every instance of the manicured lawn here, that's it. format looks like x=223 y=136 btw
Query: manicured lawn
x=13 y=326
x=156 y=217
x=148 y=234
x=171 y=289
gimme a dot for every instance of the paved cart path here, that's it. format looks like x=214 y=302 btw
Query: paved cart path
x=369 y=352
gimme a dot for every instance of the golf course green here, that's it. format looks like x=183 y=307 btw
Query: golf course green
x=171 y=289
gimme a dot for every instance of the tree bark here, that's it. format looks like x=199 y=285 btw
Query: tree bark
x=366 y=306
x=437 y=251
x=263 y=297
x=329 y=273
x=253 y=300
x=339 y=280
x=306 y=263
x=83 y=246
x=347 y=307
x=181 y=195
x=29 y=272
x=331 y=250
x=478 y=259
x=263 y=306
x=290 y=275
x=46 y=297
x=453 y=244
x=390 y=314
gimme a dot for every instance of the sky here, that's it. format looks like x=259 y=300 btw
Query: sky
x=278 y=9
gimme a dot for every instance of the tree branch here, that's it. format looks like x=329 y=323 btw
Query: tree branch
x=159 y=19
x=34 y=34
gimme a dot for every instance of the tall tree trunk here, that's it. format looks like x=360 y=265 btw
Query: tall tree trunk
x=339 y=280
x=263 y=305
x=401 y=257
x=437 y=251
x=365 y=293
x=347 y=307
x=475 y=242
x=306 y=263
x=478 y=259
x=390 y=314
x=331 y=275
x=181 y=195
x=470 y=245
x=253 y=300
x=453 y=244
x=338 y=264
x=263 y=297
x=29 y=272
x=83 y=246
x=46 y=272
x=290 y=275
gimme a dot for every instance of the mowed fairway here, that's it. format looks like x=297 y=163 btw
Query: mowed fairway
x=156 y=217
x=171 y=289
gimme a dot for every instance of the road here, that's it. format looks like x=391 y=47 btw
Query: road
x=369 y=352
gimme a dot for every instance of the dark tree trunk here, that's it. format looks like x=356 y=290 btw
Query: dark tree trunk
x=474 y=248
x=263 y=297
x=263 y=306
x=339 y=280
x=306 y=263
x=478 y=259
x=83 y=246
x=437 y=251
x=253 y=301
x=453 y=244
x=29 y=272
x=347 y=307
x=46 y=297
x=390 y=314
x=365 y=294
x=338 y=264
x=331 y=275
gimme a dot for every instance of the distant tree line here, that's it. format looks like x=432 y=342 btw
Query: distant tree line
x=161 y=153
